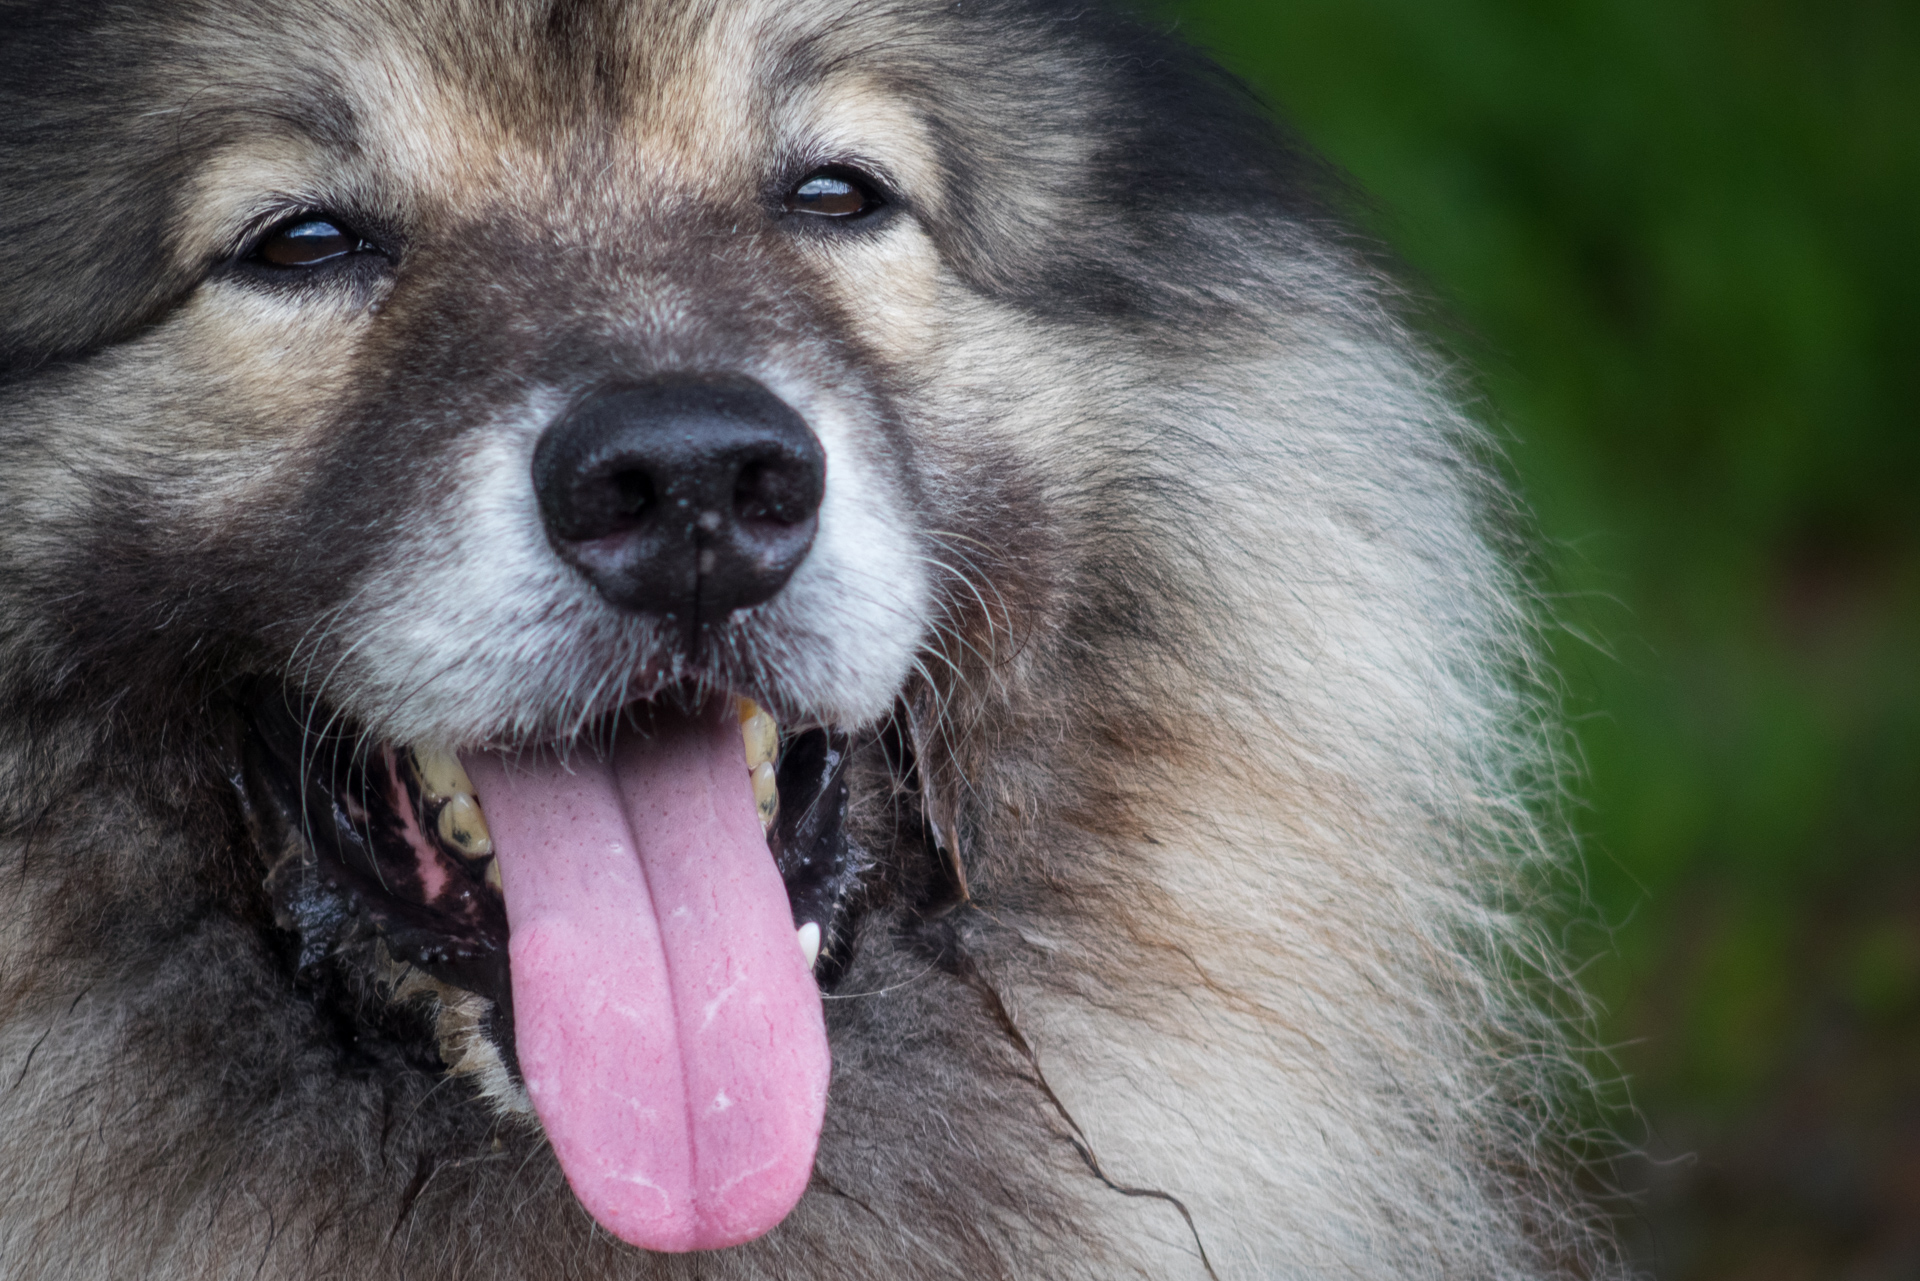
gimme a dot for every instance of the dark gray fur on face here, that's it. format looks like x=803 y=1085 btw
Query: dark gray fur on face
x=1228 y=679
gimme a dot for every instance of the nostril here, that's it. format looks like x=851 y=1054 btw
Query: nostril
x=778 y=492
x=597 y=501
x=633 y=493
x=749 y=493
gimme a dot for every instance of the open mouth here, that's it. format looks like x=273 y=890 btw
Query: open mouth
x=630 y=935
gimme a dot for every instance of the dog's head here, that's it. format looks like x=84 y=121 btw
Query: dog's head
x=568 y=435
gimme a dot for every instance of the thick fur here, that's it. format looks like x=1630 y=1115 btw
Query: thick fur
x=1135 y=483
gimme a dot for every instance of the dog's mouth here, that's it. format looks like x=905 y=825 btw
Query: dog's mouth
x=635 y=928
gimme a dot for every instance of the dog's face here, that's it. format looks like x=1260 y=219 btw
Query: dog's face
x=498 y=399
x=564 y=397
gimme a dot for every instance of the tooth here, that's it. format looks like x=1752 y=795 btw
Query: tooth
x=464 y=827
x=761 y=734
x=493 y=876
x=441 y=774
x=766 y=795
x=809 y=935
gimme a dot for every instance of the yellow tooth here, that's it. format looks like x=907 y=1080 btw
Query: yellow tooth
x=809 y=936
x=441 y=774
x=464 y=827
x=766 y=796
x=493 y=876
x=760 y=734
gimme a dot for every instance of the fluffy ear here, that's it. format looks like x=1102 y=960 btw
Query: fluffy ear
x=85 y=212
x=1062 y=229
x=1162 y=138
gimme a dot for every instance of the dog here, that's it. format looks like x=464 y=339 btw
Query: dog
x=742 y=639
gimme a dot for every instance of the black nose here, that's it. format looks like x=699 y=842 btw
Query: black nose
x=683 y=496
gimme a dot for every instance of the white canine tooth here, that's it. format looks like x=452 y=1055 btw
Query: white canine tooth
x=766 y=795
x=760 y=733
x=493 y=876
x=809 y=935
x=464 y=827
x=441 y=774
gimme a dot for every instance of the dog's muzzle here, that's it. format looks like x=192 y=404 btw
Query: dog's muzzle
x=644 y=913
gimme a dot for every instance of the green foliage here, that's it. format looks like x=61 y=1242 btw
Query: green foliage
x=1685 y=243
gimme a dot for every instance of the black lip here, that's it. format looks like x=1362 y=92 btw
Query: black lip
x=824 y=870
x=341 y=865
x=324 y=788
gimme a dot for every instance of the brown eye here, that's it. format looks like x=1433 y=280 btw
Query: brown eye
x=307 y=242
x=832 y=193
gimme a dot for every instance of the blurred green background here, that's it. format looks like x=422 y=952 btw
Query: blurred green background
x=1681 y=244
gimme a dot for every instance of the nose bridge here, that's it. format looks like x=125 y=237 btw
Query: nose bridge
x=574 y=290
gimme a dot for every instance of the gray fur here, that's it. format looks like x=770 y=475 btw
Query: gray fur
x=1142 y=486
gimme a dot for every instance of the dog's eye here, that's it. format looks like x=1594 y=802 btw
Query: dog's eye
x=307 y=242
x=832 y=193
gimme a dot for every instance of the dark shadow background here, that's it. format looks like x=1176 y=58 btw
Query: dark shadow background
x=1683 y=243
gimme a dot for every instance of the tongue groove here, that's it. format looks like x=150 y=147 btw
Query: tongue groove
x=669 y=1029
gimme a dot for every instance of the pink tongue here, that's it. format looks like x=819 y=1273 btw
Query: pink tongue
x=669 y=1029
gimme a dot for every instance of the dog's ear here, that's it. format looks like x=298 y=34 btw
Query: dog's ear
x=85 y=179
x=1181 y=140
